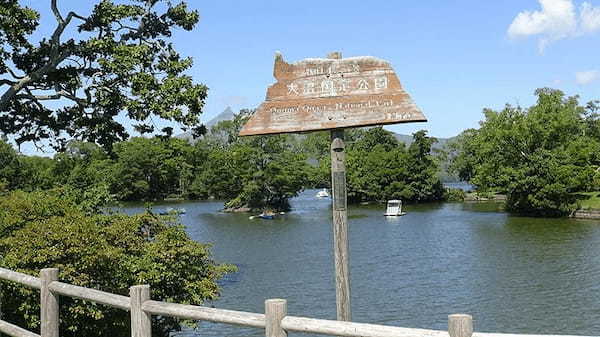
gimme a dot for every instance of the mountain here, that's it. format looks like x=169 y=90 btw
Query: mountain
x=226 y=115
x=408 y=139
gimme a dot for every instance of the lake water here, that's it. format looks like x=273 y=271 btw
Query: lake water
x=513 y=274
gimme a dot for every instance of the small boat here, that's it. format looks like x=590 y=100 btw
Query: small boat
x=268 y=215
x=171 y=210
x=394 y=208
x=323 y=193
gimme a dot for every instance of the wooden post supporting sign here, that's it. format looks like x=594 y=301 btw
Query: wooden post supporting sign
x=340 y=225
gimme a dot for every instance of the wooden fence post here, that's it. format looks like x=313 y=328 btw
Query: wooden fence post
x=48 y=304
x=141 y=322
x=275 y=311
x=460 y=325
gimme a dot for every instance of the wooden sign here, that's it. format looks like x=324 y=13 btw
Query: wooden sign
x=331 y=93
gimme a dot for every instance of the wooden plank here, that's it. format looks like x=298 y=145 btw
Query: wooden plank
x=488 y=334
x=24 y=279
x=15 y=331
x=350 y=329
x=340 y=226
x=141 y=322
x=329 y=93
x=460 y=325
x=93 y=295
x=205 y=314
x=49 y=306
x=275 y=311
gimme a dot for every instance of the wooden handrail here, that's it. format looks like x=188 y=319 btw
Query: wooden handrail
x=351 y=329
x=205 y=314
x=276 y=322
x=93 y=295
x=24 y=279
x=15 y=331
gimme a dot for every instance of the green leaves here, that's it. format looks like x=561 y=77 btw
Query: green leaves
x=538 y=156
x=380 y=168
x=106 y=252
x=121 y=60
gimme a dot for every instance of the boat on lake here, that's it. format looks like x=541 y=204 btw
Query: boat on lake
x=394 y=208
x=323 y=193
x=171 y=210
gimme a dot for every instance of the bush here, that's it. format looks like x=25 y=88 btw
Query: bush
x=454 y=195
x=107 y=252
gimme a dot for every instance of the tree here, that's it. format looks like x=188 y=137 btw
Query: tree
x=538 y=156
x=150 y=168
x=109 y=252
x=381 y=168
x=255 y=172
x=74 y=86
x=9 y=165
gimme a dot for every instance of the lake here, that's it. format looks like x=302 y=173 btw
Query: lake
x=513 y=274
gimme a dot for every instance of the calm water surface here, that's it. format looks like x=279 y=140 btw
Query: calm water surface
x=513 y=274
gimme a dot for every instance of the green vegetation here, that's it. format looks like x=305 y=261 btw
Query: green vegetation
x=589 y=200
x=110 y=252
x=539 y=157
x=250 y=173
x=381 y=168
x=116 y=61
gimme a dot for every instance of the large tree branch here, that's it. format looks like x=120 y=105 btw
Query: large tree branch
x=62 y=24
x=56 y=11
x=59 y=94
x=57 y=56
x=12 y=91
x=7 y=82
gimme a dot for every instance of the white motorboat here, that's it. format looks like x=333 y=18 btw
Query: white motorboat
x=394 y=208
x=323 y=193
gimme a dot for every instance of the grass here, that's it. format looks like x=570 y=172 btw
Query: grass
x=589 y=200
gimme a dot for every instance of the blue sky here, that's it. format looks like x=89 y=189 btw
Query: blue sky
x=454 y=57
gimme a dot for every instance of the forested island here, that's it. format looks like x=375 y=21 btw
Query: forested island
x=249 y=173
x=545 y=159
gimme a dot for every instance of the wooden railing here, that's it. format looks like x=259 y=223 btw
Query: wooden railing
x=275 y=320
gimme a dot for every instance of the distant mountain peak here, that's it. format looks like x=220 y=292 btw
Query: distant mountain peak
x=226 y=115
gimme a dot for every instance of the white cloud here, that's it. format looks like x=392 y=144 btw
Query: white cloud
x=590 y=18
x=557 y=19
x=587 y=77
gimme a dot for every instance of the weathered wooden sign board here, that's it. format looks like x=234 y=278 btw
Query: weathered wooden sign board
x=330 y=93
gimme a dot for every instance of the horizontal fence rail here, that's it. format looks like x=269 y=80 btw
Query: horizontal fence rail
x=93 y=295
x=13 y=330
x=199 y=313
x=275 y=320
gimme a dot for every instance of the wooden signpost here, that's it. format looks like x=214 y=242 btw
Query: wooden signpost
x=332 y=94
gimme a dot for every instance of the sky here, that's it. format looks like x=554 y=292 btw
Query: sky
x=454 y=58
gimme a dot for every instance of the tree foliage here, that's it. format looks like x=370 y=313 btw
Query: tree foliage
x=117 y=60
x=251 y=172
x=538 y=156
x=379 y=167
x=110 y=252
